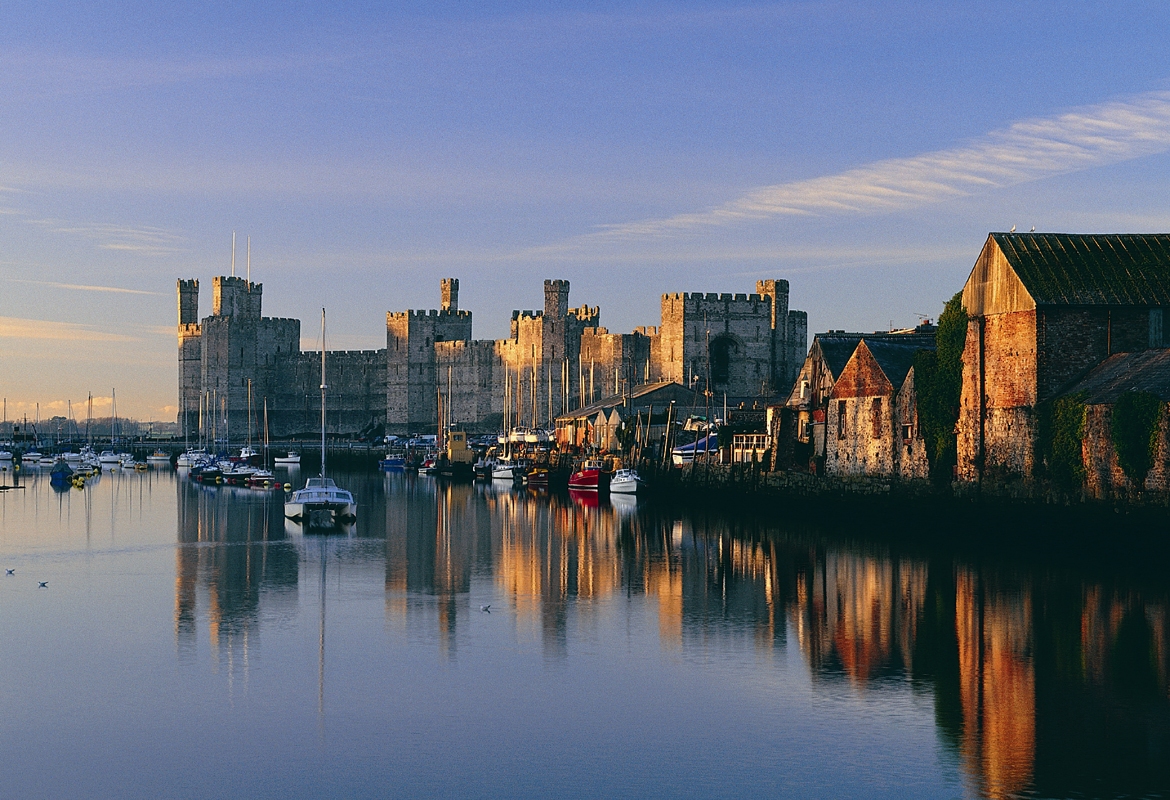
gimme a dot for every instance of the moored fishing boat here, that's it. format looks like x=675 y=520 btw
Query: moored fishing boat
x=587 y=477
x=293 y=459
x=625 y=481
x=395 y=461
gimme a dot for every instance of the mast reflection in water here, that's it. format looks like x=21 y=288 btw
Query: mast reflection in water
x=627 y=649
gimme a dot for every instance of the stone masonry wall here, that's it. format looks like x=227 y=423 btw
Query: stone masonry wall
x=996 y=419
x=911 y=449
x=861 y=419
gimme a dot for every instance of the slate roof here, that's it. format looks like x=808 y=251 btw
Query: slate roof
x=1090 y=269
x=1144 y=371
x=837 y=348
x=896 y=356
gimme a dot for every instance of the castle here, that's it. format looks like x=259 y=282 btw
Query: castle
x=744 y=346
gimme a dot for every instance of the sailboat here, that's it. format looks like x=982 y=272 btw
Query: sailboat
x=321 y=495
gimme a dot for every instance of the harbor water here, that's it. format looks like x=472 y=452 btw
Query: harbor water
x=482 y=641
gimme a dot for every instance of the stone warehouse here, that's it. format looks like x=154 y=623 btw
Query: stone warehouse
x=555 y=360
x=1044 y=310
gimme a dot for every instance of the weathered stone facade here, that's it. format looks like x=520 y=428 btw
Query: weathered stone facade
x=1043 y=310
x=798 y=428
x=555 y=360
x=872 y=414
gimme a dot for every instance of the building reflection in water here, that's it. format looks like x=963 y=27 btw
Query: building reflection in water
x=1040 y=683
x=231 y=553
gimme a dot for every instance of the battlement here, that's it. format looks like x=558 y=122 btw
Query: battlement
x=189 y=330
x=526 y=314
x=423 y=314
x=647 y=330
x=235 y=297
x=585 y=312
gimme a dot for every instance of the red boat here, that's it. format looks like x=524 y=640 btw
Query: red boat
x=587 y=477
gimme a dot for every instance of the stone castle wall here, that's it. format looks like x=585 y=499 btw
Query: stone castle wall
x=555 y=359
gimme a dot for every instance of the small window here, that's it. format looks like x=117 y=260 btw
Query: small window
x=907 y=432
x=875 y=414
x=840 y=419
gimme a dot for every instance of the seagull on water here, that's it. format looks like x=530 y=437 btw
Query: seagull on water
x=486 y=609
x=43 y=584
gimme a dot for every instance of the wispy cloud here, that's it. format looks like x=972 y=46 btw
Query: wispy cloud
x=1028 y=150
x=144 y=240
x=83 y=287
x=17 y=328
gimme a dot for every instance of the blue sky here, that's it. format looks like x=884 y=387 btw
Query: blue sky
x=861 y=150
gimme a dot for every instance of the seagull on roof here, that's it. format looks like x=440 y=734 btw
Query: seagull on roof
x=1013 y=230
x=1033 y=229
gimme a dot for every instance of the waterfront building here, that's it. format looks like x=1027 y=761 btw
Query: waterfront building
x=799 y=426
x=1044 y=309
x=555 y=360
x=871 y=425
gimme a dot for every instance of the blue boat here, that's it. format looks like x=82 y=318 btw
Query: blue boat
x=393 y=462
x=707 y=447
x=61 y=476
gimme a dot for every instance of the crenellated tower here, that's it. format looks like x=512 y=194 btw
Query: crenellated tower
x=190 y=356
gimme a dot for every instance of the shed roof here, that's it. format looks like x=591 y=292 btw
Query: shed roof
x=1090 y=269
x=640 y=398
x=1144 y=371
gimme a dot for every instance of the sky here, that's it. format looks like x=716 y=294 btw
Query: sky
x=860 y=150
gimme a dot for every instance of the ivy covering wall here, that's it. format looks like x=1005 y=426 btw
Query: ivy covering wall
x=938 y=383
x=1060 y=433
x=1135 y=423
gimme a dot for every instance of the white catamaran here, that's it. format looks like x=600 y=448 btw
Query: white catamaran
x=321 y=495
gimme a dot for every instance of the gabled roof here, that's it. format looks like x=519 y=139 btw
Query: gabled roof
x=837 y=347
x=1090 y=269
x=1144 y=371
x=836 y=350
x=896 y=357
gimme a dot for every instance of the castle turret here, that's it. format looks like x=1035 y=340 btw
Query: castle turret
x=556 y=299
x=190 y=354
x=449 y=294
x=188 y=302
x=236 y=297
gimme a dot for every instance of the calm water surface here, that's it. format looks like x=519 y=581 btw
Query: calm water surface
x=190 y=645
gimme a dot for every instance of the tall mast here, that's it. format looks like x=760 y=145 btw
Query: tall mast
x=233 y=254
x=323 y=387
x=249 y=413
x=114 y=418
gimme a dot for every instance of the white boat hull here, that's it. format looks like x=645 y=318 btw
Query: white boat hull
x=623 y=487
x=297 y=511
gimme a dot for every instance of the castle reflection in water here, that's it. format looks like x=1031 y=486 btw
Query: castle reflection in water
x=1043 y=679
